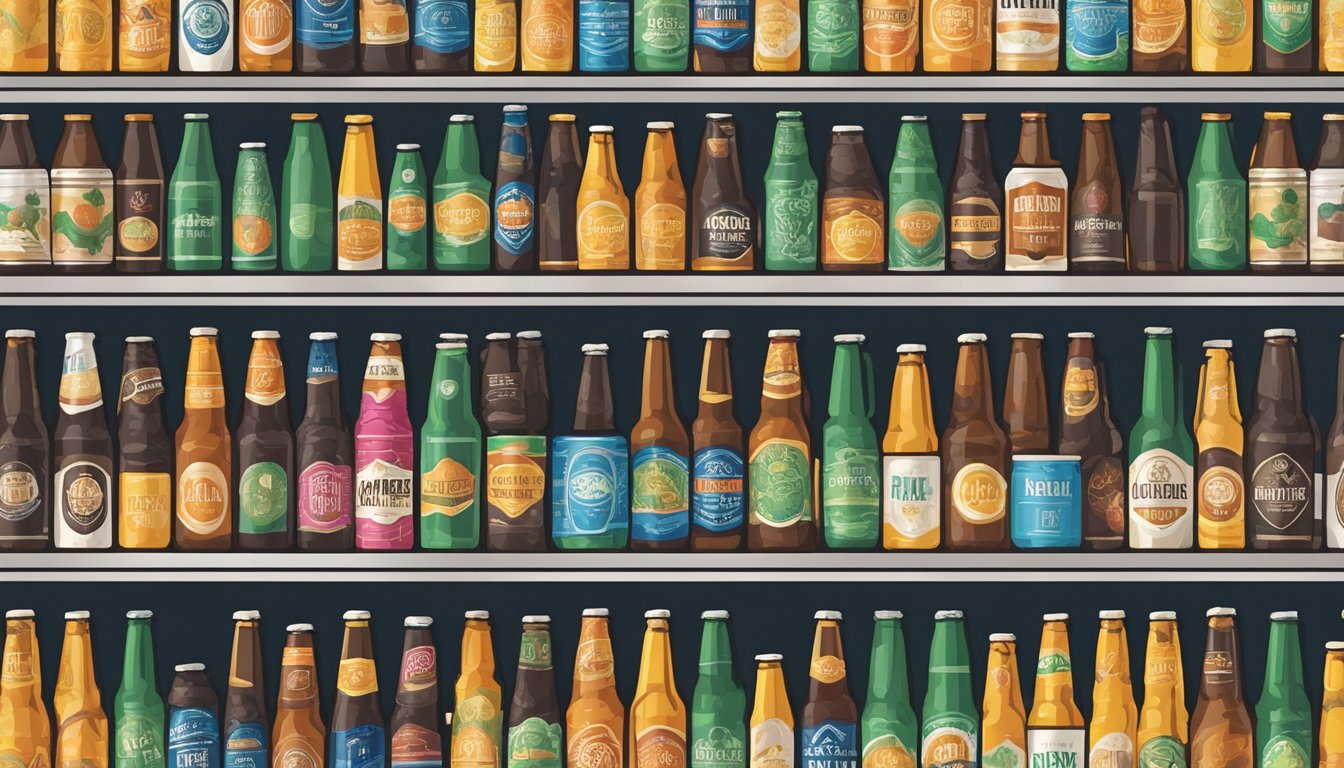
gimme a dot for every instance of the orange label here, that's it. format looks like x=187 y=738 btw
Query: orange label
x=462 y=219
x=265 y=374
x=359 y=239
x=594 y=745
x=496 y=35
x=979 y=493
x=917 y=224
x=662 y=236
x=251 y=233
x=1158 y=24
x=447 y=489
x=853 y=229
x=660 y=747
x=546 y=36
x=406 y=213
x=1036 y=225
x=146 y=509
x=957 y=25
x=595 y=660
x=603 y=236
x=266 y=26
x=890 y=27
x=827 y=669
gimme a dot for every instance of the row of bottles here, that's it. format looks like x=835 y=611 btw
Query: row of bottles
x=567 y=214
x=985 y=483
x=656 y=730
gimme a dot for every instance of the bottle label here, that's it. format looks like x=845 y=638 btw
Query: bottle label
x=415 y=746
x=442 y=26
x=603 y=235
x=266 y=26
x=25 y=216
x=1161 y=750
x=205 y=26
x=1158 y=25
x=195 y=227
x=949 y=741
x=1159 y=500
x=82 y=216
x=547 y=36
x=139 y=742
x=461 y=213
x=265 y=384
x=515 y=473
x=80 y=389
x=1098 y=236
x=833 y=28
x=1281 y=491
x=664 y=28
x=722 y=25
x=1286 y=24
x=780 y=483
x=406 y=213
x=912 y=504
x=384 y=22
x=718 y=744
x=1278 y=216
x=884 y=748
x=1285 y=750
x=778 y=33
x=535 y=743
x=1104 y=481
x=20 y=491
x=594 y=745
x=382 y=504
x=1037 y=221
x=891 y=28
x=663 y=746
x=1221 y=494
x=1059 y=748
x=1223 y=24
x=590 y=494
x=957 y=25
x=145 y=35
x=595 y=661
x=1081 y=390
x=1097 y=33
x=975 y=228
x=604 y=36
x=246 y=747
x=515 y=211
x=1334 y=518
x=325 y=497
x=853 y=229
x=662 y=236
x=916 y=231
x=193 y=738
x=325 y=24
x=1027 y=30
x=202 y=497
x=263 y=495
x=358 y=747
x=496 y=35
x=850 y=491
x=727 y=233
x=145 y=507
x=359 y=232
x=140 y=210
x=717 y=498
x=1046 y=503
x=1219 y=236
x=791 y=223
x=476 y=730
x=659 y=497
x=1006 y=755
x=294 y=751
x=357 y=677
x=772 y=744
x=418 y=670
x=1327 y=215
x=831 y=745
x=979 y=494
x=141 y=386
x=83 y=490
x=448 y=488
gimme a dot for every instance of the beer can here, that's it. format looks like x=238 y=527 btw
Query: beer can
x=1047 y=506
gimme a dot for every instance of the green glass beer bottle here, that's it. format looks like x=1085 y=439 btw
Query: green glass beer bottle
x=195 y=202
x=790 y=199
x=307 y=198
x=951 y=721
x=406 y=249
x=461 y=201
x=138 y=708
x=718 y=705
x=450 y=455
x=1283 y=715
x=850 y=465
x=889 y=731
x=833 y=35
x=662 y=35
x=253 y=211
x=915 y=243
x=1161 y=455
x=1217 y=199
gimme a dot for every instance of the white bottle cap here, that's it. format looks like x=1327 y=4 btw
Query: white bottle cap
x=784 y=333
x=408 y=147
x=660 y=125
x=139 y=339
x=515 y=108
x=203 y=331
x=881 y=615
x=418 y=621
x=1275 y=333
x=498 y=336
x=1218 y=344
x=1221 y=612
x=385 y=337
x=846 y=129
x=356 y=616
x=299 y=628
x=827 y=616
x=1003 y=637
x=247 y=615
x=909 y=348
x=849 y=338
x=1162 y=616
x=20 y=333
x=659 y=334
x=596 y=613
x=940 y=615
x=718 y=116
x=1110 y=614
x=462 y=118
x=1334 y=645
x=595 y=349
x=600 y=129
x=141 y=614
x=1157 y=330
x=451 y=345
x=972 y=338
x=1283 y=616
x=265 y=334
x=194 y=666
x=1082 y=335
x=914 y=118
x=769 y=657
x=528 y=334
x=1055 y=617
x=1037 y=336
x=717 y=333
x=252 y=145
x=20 y=613
x=76 y=615
x=537 y=619
x=658 y=613
x=716 y=615
x=477 y=615
x=322 y=336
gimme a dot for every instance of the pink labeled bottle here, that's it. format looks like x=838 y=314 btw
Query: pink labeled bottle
x=384 y=452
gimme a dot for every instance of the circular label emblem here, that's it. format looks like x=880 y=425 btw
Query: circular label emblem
x=979 y=493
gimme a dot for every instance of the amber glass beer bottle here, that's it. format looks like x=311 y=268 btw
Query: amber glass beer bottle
x=1222 y=734
x=246 y=727
x=1164 y=723
x=974 y=203
x=726 y=230
x=772 y=731
x=1055 y=727
x=660 y=204
x=415 y=716
x=660 y=451
x=265 y=451
x=603 y=209
x=975 y=456
x=853 y=214
x=1220 y=486
x=477 y=717
x=1157 y=201
x=1097 y=233
x=1037 y=195
x=595 y=719
x=204 y=459
x=299 y=737
x=1087 y=430
x=557 y=196
x=1112 y=732
x=780 y=484
x=718 y=500
x=1280 y=450
x=911 y=468
x=81 y=724
x=25 y=727
x=1003 y=729
x=1161 y=36
x=1278 y=195
x=25 y=459
x=830 y=721
x=82 y=484
x=1026 y=406
x=357 y=717
x=657 y=715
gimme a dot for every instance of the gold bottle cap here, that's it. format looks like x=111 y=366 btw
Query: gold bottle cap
x=972 y=116
x=78 y=118
x=1093 y=117
x=1162 y=616
x=1003 y=637
x=1214 y=117
x=418 y=621
x=562 y=117
x=596 y=613
x=905 y=349
x=139 y=117
x=1332 y=117
x=769 y=658
x=358 y=119
x=302 y=116
x=13 y=116
x=1278 y=115
x=1033 y=115
x=717 y=615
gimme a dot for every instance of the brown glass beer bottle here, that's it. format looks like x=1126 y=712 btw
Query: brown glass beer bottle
x=245 y=730
x=357 y=736
x=660 y=452
x=1097 y=234
x=726 y=229
x=781 y=484
x=82 y=202
x=145 y=455
x=1026 y=406
x=830 y=721
x=1222 y=732
x=326 y=456
x=1280 y=451
x=299 y=737
x=1157 y=201
x=415 y=716
x=140 y=201
x=25 y=512
x=717 y=499
x=265 y=451
x=853 y=214
x=515 y=416
x=975 y=456
x=1037 y=192
x=82 y=508
x=975 y=203
x=557 y=196
x=1086 y=430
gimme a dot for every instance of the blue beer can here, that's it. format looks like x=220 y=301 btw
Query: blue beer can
x=1047 y=502
x=604 y=35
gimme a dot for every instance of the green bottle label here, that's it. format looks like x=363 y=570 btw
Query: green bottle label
x=263 y=496
x=1051 y=663
x=534 y=743
x=850 y=494
x=780 y=480
x=1286 y=24
x=664 y=34
x=719 y=747
x=195 y=240
x=303 y=220
x=477 y=727
x=1278 y=209
x=791 y=224
x=139 y=741
x=253 y=213
x=916 y=231
x=1284 y=751
x=833 y=35
x=1218 y=235
x=535 y=652
x=1162 y=752
x=1005 y=755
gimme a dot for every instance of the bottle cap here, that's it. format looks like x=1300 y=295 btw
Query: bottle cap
x=247 y=615
x=139 y=339
x=196 y=116
x=595 y=349
x=972 y=338
x=1033 y=115
x=1162 y=616
x=252 y=145
x=1093 y=117
x=562 y=117
x=849 y=338
x=498 y=336
x=303 y=117
x=660 y=125
x=972 y=116
x=265 y=334
x=1283 y=616
x=1040 y=457
x=659 y=334
x=408 y=147
x=1055 y=617
x=882 y=615
x=846 y=129
x=462 y=119
x=14 y=116
x=1332 y=117
x=141 y=614
x=194 y=666
x=600 y=129
x=537 y=619
x=451 y=345
x=1334 y=645
x=769 y=657
x=940 y=615
x=322 y=336
x=299 y=628
x=827 y=616
x=1037 y=336
x=717 y=333
x=788 y=114
x=658 y=613
x=1215 y=117
x=138 y=117
x=785 y=333
x=20 y=613
x=20 y=333
x=528 y=334
x=1212 y=612
x=76 y=615
x=908 y=348
x=1003 y=637
x=385 y=337
x=418 y=621
x=356 y=616
x=78 y=118
x=714 y=615
x=1082 y=335
x=358 y=119
x=914 y=118
x=515 y=108
x=73 y=335
x=1278 y=115
x=1218 y=344
x=596 y=613
x=1157 y=330
x=477 y=615
x=1277 y=333
x=203 y=331
x=718 y=116
x=1110 y=614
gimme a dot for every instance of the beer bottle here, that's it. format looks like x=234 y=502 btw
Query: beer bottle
x=772 y=736
x=415 y=715
x=139 y=188
x=535 y=733
x=1005 y=720
x=204 y=459
x=25 y=729
x=657 y=716
x=326 y=36
x=1278 y=187
x=82 y=444
x=1055 y=727
x=1221 y=729
x=975 y=455
x=604 y=36
x=1096 y=37
x=958 y=36
x=1220 y=487
x=1283 y=719
x=266 y=35
x=1222 y=39
x=496 y=36
x=833 y=36
x=790 y=199
x=1160 y=454
x=1038 y=193
x=595 y=718
x=515 y=411
x=1217 y=196
x=193 y=719
x=84 y=35
x=450 y=458
x=478 y=716
x=306 y=202
x=406 y=202
x=851 y=474
x=590 y=492
x=603 y=221
x=660 y=202
x=24 y=450
x=779 y=32
x=1280 y=450
x=357 y=736
x=247 y=728
x=660 y=451
x=1331 y=45
x=717 y=493
x=359 y=200
x=205 y=42
x=890 y=733
x=81 y=200
x=1026 y=36
x=1164 y=724
x=780 y=516
x=441 y=43
x=911 y=468
x=950 y=730
x=726 y=230
x=1326 y=187
x=384 y=452
x=384 y=37
x=28 y=51
x=557 y=196
x=721 y=36
x=195 y=200
x=24 y=188
x=515 y=194
x=1026 y=407
x=1113 y=731
x=1161 y=37
x=718 y=705
x=547 y=35
x=299 y=735
x=1330 y=702
x=325 y=455
x=830 y=718
x=1334 y=464
x=852 y=209
x=265 y=449
x=974 y=203
x=916 y=241
x=1285 y=44
x=1097 y=234
x=1157 y=201
x=145 y=458
x=662 y=35
x=1087 y=430
x=81 y=725
x=461 y=201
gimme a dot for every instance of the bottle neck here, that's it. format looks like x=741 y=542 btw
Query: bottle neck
x=716 y=658
x=1276 y=148
x=1214 y=152
x=1221 y=675
x=1159 y=381
x=478 y=654
x=1033 y=145
x=461 y=153
x=323 y=384
x=1054 y=668
x=1218 y=388
x=790 y=145
x=138 y=666
x=197 y=149
x=658 y=399
x=1283 y=663
x=23 y=668
x=1330 y=149
x=782 y=383
x=76 y=683
x=298 y=691
x=1112 y=667
x=594 y=411
x=78 y=148
x=450 y=399
x=973 y=152
x=19 y=394
x=384 y=372
x=948 y=654
x=357 y=644
x=1003 y=691
x=1334 y=681
x=716 y=378
x=1096 y=159
x=601 y=165
x=660 y=158
x=887 y=679
x=16 y=145
x=910 y=424
x=974 y=395
x=1277 y=388
x=245 y=665
x=655 y=667
x=772 y=697
x=1156 y=162
x=847 y=388
x=594 y=671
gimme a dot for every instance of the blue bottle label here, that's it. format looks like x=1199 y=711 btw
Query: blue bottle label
x=659 y=495
x=247 y=747
x=724 y=25
x=515 y=214
x=322 y=360
x=717 y=500
x=831 y=745
x=590 y=486
x=358 y=747
x=1097 y=28
x=442 y=26
x=604 y=36
x=1047 y=505
x=205 y=25
x=193 y=738
x=325 y=24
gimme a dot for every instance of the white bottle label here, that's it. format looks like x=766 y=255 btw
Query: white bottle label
x=911 y=495
x=82 y=506
x=1160 y=501
x=1048 y=748
x=1334 y=511
x=1326 y=216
